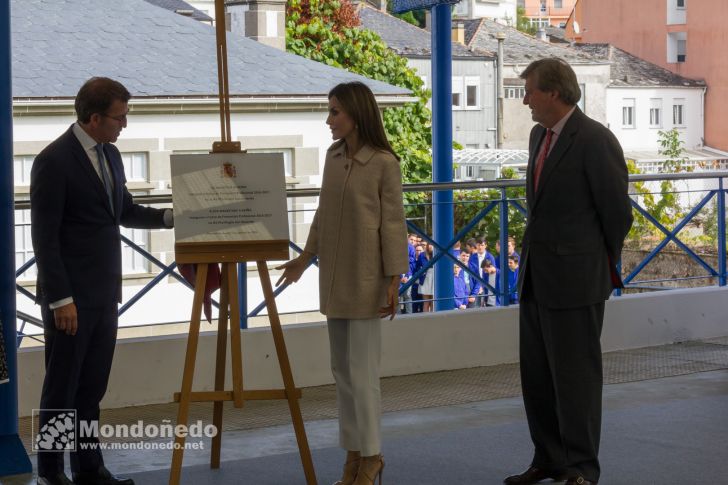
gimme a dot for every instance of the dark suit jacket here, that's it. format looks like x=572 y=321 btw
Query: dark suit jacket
x=75 y=235
x=578 y=218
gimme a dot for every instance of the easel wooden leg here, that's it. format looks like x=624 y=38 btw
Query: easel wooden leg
x=189 y=373
x=222 y=323
x=293 y=405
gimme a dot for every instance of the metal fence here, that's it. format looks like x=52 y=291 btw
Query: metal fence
x=499 y=202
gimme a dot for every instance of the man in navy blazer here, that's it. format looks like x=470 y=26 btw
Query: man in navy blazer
x=78 y=199
x=579 y=213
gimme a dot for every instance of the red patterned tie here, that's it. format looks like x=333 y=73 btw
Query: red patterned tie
x=542 y=158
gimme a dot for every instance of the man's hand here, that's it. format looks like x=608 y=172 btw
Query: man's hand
x=293 y=269
x=66 y=318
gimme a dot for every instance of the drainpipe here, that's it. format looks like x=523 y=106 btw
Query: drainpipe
x=499 y=86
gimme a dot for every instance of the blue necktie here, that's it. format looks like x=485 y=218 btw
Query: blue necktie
x=105 y=174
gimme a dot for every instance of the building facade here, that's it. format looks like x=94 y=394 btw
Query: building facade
x=519 y=51
x=473 y=75
x=545 y=13
x=685 y=37
x=644 y=99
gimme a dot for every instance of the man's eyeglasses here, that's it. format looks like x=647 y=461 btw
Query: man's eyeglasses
x=120 y=119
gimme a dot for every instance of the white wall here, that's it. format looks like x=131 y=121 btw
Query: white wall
x=150 y=371
x=207 y=6
x=503 y=11
x=644 y=137
x=311 y=125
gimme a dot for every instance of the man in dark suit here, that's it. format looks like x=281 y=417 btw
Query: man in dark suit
x=579 y=213
x=78 y=199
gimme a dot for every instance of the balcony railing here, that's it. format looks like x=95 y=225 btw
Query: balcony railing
x=501 y=204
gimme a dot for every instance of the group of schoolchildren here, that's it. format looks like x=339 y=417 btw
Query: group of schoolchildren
x=469 y=291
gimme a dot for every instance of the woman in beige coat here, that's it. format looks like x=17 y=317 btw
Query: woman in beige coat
x=360 y=237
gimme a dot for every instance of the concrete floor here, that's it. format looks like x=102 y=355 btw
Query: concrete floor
x=660 y=427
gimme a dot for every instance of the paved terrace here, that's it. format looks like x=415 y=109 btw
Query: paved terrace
x=665 y=422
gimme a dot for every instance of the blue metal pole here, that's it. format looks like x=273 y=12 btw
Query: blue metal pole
x=505 y=296
x=721 y=235
x=442 y=213
x=13 y=458
x=243 y=294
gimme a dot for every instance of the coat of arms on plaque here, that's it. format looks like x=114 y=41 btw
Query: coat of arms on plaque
x=228 y=170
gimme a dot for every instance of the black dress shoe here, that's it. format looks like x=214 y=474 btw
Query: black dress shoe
x=579 y=481
x=100 y=477
x=534 y=475
x=59 y=479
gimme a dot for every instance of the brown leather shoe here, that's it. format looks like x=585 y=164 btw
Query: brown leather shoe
x=534 y=475
x=579 y=481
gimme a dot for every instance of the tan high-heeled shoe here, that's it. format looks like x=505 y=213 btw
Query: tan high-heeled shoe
x=353 y=459
x=370 y=468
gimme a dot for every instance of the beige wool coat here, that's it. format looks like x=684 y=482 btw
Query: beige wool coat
x=359 y=232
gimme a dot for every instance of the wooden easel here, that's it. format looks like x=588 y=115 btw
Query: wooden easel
x=229 y=255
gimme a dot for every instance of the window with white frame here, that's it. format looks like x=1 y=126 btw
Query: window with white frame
x=472 y=92
x=469 y=171
x=23 y=244
x=677 y=46
x=21 y=169
x=514 y=92
x=682 y=47
x=131 y=260
x=462 y=9
x=136 y=166
x=558 y=3
x=655 y=113
x=628 y=113
x=680 y=3
x=457 y=92
x=678 y=112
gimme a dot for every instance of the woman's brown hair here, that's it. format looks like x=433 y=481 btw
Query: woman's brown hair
x=357 y=100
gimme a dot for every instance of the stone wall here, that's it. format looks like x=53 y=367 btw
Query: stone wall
x=670 y=264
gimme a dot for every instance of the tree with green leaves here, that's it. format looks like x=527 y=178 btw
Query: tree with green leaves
x=328 y=31
x=664 y=206
x=522 y=22
x=468 y=203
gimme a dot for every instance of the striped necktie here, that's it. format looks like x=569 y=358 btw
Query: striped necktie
x=542 y=158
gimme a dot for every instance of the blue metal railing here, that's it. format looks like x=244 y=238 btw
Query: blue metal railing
x=444 y=249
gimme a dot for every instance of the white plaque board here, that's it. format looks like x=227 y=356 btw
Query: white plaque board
x=228 y=197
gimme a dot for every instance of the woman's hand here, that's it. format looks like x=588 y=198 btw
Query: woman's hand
x=293 y=269
x=392 y=299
